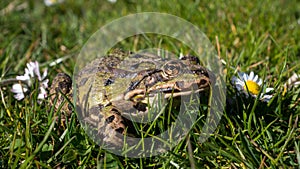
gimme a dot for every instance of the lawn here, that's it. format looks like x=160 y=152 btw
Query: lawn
x=255 y=36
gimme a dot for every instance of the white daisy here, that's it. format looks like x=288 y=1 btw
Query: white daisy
x=293 y=81
x=32 y=72
x=19 y=91
x=52 y=2
x=112 y=1
x=251 y=84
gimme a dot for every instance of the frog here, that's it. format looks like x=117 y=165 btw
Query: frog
x=117 y=88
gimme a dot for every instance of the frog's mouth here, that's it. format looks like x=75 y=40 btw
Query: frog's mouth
x=152 y=93
x=170 y=88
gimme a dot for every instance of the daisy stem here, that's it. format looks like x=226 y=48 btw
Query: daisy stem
x=10 y=81
x=255 y=104
x=252 y=114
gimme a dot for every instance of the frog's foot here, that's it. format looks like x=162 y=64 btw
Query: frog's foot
x=116 y=122
x=61 y=88
x=61 y=96
x=107 y=125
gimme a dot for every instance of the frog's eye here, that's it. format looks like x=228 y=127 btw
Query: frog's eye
x=172 y=68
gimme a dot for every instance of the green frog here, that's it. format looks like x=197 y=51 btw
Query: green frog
x=116 y=89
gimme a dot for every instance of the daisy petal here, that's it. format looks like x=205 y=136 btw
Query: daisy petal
x=52 y=2
x=112 y=1
x=259 y=82
x=269 y=89
x=23 y=78
x=266 y=98
x=19 y=96
x=36 y=70
x=251 y=76
x=241 y=75
x=245 y=77
x=234 y=79
x=30 y=68
x=240 y=88
x=45 y=83
x=42 y=94
x=238 y=83
x=45 y=74
x=255 y=78
x=18 y=88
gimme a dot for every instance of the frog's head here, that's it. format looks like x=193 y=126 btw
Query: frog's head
x=172 y=79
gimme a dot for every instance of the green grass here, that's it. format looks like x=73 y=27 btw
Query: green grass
x=259 y=36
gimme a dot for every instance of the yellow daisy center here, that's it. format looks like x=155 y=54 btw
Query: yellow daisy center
x=253 y=87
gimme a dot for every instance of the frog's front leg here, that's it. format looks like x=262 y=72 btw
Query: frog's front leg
x=107 y=125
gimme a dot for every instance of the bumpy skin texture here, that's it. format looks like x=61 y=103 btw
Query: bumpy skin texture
x=113 y=87
x=60 y=89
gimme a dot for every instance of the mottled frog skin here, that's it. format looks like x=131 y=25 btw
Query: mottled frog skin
x=114 y=88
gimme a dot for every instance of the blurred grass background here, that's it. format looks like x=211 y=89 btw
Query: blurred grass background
x=259 y=36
